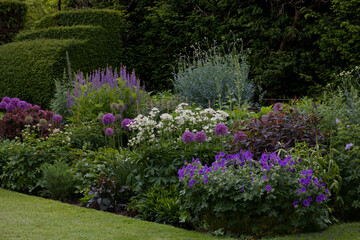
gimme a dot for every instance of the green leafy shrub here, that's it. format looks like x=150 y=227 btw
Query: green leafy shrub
x=214 y=76
x=4 y=153
x=161 y=205
x=242 y=196
x=98 y=44
x=22 y=170
x=282 y=128
x=345 y=147
x=12 y=19
x=108 y=194
x=88 y=165
x=96 y=93
x=342 y=102
x=57 y=181
x=325 y=166
x=89 y=135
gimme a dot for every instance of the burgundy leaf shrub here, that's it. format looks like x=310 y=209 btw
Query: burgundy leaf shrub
x=286 y=126
x=14 y=121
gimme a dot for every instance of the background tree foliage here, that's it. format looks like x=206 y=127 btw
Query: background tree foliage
x=296 y=45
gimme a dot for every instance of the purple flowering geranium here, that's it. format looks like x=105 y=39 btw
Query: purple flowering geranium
x=348 y=146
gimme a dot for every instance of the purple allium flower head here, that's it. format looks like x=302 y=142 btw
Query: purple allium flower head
x=6 y=99
x=306 y=203
x=23 y=105
x=239 y=136
x=3 y=105
x=109 y=131
x=268 y=188
x=125 y=123
x=348 y=146
x=188 y=137
x=108 y=118
x=221 y=129
x=10 y=107
x=278 y=107
x=15 y=101
x=57 y=119
x=200 y=137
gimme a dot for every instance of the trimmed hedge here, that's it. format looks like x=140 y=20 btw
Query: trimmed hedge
x=76 y=32
x=27 y=68
x=37 y=57
x=12 y=19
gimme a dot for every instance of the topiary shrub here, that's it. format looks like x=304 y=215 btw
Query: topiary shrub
x=12 y=19
x=28 y=68
x=92 y=38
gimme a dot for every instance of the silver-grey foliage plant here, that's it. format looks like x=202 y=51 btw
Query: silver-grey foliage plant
x=214 y=75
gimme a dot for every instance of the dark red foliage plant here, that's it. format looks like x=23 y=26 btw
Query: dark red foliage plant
x=277 y=129
x=13 y=122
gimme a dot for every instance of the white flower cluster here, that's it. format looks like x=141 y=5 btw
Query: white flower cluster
x=172 y=126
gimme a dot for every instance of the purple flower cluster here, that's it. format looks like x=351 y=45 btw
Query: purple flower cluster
x=188 y=137
x=57 y=119
x=348 y=146
x=267 y=161
x=221 y=129
x=109 y=131
x=222 y=161
x=200 y=137
x=308 y=182
x=10 y=104
x=108 y=78
x=125 y=123
x=108 y=119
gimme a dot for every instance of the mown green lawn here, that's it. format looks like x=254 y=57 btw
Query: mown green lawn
x=28 y=217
